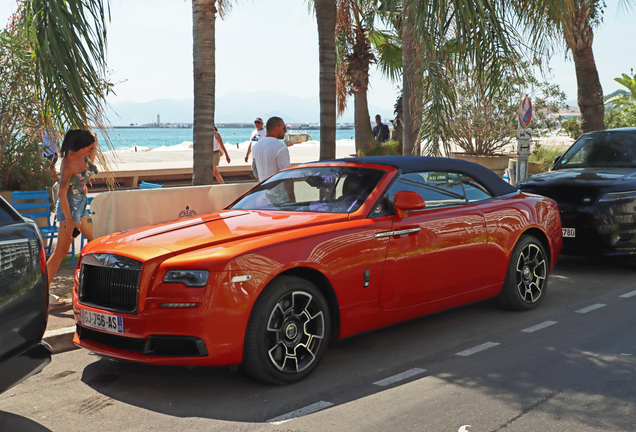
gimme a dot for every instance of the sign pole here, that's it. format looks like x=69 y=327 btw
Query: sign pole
x=524 y=134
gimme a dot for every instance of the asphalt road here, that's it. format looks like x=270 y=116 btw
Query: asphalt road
x=567 y=366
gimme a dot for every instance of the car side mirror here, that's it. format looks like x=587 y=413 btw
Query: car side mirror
x=557 y=160
x=407 y=200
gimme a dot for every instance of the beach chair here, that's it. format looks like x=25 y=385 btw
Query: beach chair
x=35 y=204
x=146 y=185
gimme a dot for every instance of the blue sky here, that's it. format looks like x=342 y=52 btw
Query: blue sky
x=265 y=47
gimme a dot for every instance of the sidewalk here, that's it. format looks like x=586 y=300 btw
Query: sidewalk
x=61 y=324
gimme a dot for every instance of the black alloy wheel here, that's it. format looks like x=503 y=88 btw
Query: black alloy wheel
x=288 y=331
x=527 y=275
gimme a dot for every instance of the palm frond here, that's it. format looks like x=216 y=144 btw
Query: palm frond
x=69 y=42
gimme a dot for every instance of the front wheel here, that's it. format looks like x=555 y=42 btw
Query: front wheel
x=287 y=332
x=527 y=275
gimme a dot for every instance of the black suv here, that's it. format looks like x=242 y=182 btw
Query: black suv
x=594 y=184
x=24 y=299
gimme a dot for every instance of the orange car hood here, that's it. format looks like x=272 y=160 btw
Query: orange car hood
x=207 y=230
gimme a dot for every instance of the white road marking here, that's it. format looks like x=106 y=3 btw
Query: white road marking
x=477 y=349
x=464 y=428
x=539 y=326
x=309 y=409
x=629 y=294
x=591 y=308
x=400 y=377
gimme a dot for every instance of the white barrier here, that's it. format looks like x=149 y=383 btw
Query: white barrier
x=121 y=210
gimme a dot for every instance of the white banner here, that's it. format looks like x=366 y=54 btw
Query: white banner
x=121 y=210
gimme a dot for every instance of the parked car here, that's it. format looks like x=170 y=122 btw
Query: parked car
x=24 y=299
x=318 y=251
x=594 y=183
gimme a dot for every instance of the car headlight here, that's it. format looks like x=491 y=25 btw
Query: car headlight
x=618 y=196
x=191 y=278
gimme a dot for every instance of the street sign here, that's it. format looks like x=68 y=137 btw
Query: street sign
x=524 y=133
x=525 y=112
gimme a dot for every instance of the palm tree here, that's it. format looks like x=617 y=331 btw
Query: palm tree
x=412 y=66
x=552 y=22
x=438 y=36
x=203 y=53
x=353 y=63
x=326 y=20
x=69 y=40
x=357 y=39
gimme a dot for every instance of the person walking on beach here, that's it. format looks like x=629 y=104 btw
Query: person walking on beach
x=219 y=149
x=49 y=149
x=78 y=152
x=380 y=130
x=269 y=154
x=257 y=134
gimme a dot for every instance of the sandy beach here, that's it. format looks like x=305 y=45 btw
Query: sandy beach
x=180 y=156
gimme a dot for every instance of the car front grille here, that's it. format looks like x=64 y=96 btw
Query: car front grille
x=108 y=284
x=566 y=195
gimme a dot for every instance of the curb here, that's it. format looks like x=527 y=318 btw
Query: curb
x=61 y=340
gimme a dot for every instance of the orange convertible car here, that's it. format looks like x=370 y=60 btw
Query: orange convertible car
x=318 y=251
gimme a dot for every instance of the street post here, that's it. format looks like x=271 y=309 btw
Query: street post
x=524 y=134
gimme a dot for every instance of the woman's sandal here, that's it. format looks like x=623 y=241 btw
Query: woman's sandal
x=56 y=301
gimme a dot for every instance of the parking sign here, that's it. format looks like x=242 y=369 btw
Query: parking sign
x=525 y=112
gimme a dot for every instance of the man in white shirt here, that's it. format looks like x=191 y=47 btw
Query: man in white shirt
x=269 y=154
x=257 y=134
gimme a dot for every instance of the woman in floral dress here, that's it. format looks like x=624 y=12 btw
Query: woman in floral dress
x=78 y=153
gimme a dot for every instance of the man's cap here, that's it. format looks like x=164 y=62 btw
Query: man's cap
x=258 y=119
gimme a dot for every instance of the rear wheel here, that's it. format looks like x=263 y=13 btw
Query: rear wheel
x=288 y=331
x=527 y=275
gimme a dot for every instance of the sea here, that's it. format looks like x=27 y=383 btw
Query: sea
x=126 y=139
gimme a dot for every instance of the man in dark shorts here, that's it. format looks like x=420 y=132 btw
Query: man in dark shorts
x=380 y=130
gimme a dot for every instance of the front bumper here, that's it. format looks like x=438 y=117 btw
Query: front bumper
x=166 y=336
x=602 y=229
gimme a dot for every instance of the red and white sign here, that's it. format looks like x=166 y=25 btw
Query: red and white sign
x=525 y=112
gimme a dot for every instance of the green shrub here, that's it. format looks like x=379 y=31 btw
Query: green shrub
x=572 y=127
x=387 y=148
x=622 y=116
x=544 y=155
x=22 y=113
x=23 y=168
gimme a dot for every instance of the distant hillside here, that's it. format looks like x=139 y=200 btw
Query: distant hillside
x=232 y=107
x=606 y=97
x=616 y=93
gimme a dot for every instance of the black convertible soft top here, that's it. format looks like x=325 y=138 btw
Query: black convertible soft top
x=495 y=184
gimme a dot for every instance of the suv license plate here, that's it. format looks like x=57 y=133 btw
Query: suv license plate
x=569 y=232
x=100 y=321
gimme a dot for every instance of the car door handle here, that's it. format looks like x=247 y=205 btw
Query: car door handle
x=397 y=233
x=406 y=231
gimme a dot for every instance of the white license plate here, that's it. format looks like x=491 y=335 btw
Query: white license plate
x=569 y=232
x=100 y=321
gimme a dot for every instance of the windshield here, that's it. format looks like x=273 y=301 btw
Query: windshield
x=603 y=149
x=326 y=189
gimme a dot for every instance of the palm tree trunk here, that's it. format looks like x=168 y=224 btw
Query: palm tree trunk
x=398 y=123
x=364 y=133
x=578 y=35
x=326 y=19
x=590 y=92
x=411 y=95
x=203 y=24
